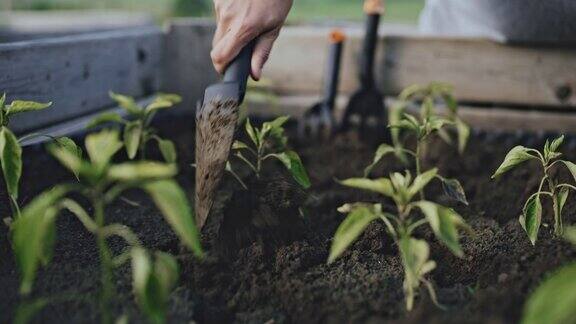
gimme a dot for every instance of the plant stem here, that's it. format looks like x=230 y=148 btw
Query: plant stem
x=558 y=227
x=419 y=167
x=105 y=261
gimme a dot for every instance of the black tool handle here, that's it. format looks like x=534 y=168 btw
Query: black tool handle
x=239 y=69
x=332 y=77
x=369 y=50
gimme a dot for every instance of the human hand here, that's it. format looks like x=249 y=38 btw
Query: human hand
x=241 y=21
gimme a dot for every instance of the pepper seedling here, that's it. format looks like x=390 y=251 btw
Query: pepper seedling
x=429 y=123
x=268 y=142
x=101 y=182
x=137 y=130
x=401 y=225
x=558 y=192
x=553 y=301
x=11 y=149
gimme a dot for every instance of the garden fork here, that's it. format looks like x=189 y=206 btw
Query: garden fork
x=318 y=121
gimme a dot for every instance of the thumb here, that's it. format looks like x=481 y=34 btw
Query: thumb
x=262 y=51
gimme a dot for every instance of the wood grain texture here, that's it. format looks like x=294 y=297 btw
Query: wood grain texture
x=480 y=70
x=77 y=72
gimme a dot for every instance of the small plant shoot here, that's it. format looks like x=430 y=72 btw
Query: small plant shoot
x=268 y=142
x=11 y=150
x=553 y=302
x=137 y=130
x=100 y=183
x=549 y=187
x=409 y=215
x=429 y=123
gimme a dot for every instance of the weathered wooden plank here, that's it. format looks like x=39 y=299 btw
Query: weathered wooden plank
x=482 y=71
x=77 y=72
x=188 y=70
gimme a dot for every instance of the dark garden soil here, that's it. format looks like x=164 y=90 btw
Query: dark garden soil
x=282 y=277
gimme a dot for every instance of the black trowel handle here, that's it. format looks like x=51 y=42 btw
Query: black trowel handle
x=373 y=10
x=239 y=69
x=332 y=76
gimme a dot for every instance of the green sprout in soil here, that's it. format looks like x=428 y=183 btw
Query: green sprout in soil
x=401 y=225
x=430 y=123
x=11 y=149
x=268 y=142
x=137 y=129
x=100 y=183
x=553 y=302
x=558 y=192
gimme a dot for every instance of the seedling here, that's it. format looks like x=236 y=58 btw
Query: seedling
x=553 y=302
x=11 y=150
x=429 y=123
x=268 y=142
x=101 y=182
x=401 y=225
x=137 y=130
x=558 y=192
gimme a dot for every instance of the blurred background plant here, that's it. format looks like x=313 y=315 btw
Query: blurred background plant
x=404 y=11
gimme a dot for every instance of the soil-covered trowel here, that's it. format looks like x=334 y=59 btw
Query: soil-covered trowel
x=365 y=111
x=216 y=122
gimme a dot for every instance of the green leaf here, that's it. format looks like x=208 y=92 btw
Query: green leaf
x=141 y=171
x=33 y=234
x=350 y=229
x=172 y=202
x=553 y=302
x=68 y=144
x=382 y=185
x=555 y=145
x=531 y=217
x=27 y=310
x=163 y=101
x=2 y=101
x=127 y=103
x=292 y=162
x=463 y=131
x=72 y=160
x=11 y=160
x=382 y=151
x=570 y=234
x=411 y=91
x=421 y=181
x=453 y=189
x=153 y=282
x=237 y=145
x=20 y=106
x=444 y=223
x=168 y=150
x=275 y=129
x=395 y=116
x=516 y=156
x=105 y=118
x=252 y=133
x=102 y=146
x=571 y=167
x=132 y=135
x=560 y=198
x=414 y=254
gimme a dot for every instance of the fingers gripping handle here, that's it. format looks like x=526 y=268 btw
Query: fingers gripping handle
x=239 y=69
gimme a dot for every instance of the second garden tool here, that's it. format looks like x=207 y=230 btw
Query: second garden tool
x=319 y=120
x=366 y=111
x=216 y=122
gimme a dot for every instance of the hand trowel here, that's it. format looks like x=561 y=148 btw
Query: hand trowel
x=216 y=122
